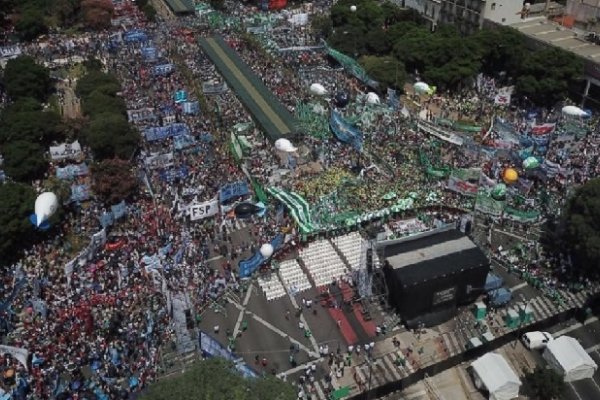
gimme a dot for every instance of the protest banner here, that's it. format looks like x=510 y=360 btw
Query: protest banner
x=231 y=190
x=204 y=210
x=65 y=151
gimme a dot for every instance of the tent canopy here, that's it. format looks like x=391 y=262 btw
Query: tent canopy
x=497 y=376
x=569 y=358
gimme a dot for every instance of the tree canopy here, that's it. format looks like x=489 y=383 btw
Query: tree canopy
x=16 y=204
x=545 y=384
x=445 y=58
x=217 y=379
x=24 y=161
x=581 y=222
x=113 y=181
x=23 y=77
x=110 y=135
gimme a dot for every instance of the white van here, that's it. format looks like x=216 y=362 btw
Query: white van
x=536 y=340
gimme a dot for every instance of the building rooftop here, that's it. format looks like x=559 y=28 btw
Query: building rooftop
x=554 y=34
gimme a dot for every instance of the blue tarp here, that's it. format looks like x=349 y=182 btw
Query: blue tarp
x=72 y=171
x=345 y=132
x=232 y=190
x=212 y=348
x=163 y=69
x=249 y=266
x=163 y=132
x=493 y=282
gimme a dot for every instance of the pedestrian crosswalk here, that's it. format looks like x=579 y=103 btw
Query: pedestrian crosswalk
x=231 y=226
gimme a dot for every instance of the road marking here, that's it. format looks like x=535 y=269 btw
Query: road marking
x=258 y=99
x=312 y=339
x=299 y=367
x=592 y=348
x=576 y=326
x=238 y=323
x=575 y=391
x=277 y=331
x=519 y=286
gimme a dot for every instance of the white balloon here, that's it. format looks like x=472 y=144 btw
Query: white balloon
x=573 y=110
x=421 y=87
x=45 y=206
x=372 y=98
x=284 y=145
x=353 y=8
x=318 y=89
x=266 y=250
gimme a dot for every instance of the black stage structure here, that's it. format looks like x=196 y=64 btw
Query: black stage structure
x=429 y=275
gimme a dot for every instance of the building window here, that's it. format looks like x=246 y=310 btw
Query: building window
x=493 y=6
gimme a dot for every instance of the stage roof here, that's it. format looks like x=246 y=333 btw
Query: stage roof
x=433 y=256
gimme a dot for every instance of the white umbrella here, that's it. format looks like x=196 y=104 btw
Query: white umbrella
x=422 y=87
x=284 y=145
x=318 y=89
x=372 y=98
x=574 y=111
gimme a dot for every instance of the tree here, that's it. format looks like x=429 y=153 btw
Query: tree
x=109 y=135
x=98 y=103
x=31 y=24
x=40 y=127
x=97 y=13
x=99 y=81
x=545 y=75
x=24 y=161
x=217 y=379
x=388 y=71
x=16 y=204
x=23 y=77
x=545 y=383
x=581 y=231
x=501 y=49
x=113 y=181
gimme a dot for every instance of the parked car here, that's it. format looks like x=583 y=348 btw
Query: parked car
x=536 y=340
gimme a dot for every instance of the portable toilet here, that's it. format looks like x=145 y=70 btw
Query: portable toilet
x=474 y=342
x=512 y=319
x=480 y=311
x=526 y=313
x=487 y=337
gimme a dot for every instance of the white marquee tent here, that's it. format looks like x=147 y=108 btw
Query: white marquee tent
x=492 y=373
x=569 y=358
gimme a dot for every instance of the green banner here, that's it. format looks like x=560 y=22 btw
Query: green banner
x=487 y=205
x=521 y=216
x=352 y=67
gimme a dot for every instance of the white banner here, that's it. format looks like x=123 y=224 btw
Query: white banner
x=16 y=352
x=66 y=151
x=204 y=210
x=156 y=160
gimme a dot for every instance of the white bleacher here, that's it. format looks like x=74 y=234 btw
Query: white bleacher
x=322 y=262
x=292 y=276
x=350 y=246
x=271 y=286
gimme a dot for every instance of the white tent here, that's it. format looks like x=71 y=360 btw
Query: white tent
x=574 y=111
x=492 y=372
x=569 y=358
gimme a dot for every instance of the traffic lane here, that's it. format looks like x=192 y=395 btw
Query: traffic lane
x=585 y=389
x=588 y=335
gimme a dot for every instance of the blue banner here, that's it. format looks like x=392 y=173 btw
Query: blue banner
x=171 y=174
x=80 y=192
x=191 y=107
x=232 y=190
x=163 y=69
x=392 y=99
x=182 y=141
x=119 y=210
x=72 y=171
x=249 y=266
x=345 y=132
x=135 y=35
x=150 y=54
x=106 y=219
x=163 y=132
x=180 y=96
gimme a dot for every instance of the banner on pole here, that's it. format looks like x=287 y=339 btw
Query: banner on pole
x=231 y=190
x=204 y=210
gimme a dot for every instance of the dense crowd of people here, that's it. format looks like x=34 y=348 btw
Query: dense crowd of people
x=97 y=327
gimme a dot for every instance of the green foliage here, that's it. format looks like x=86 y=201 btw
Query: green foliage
x=16 y=204
x=147 y=9
x=582 y=227
x=545 y=383
x=31 y=24
x=113 y=181
x=24 y=161
x=545 y=75
x=40 y=127
x=216 y=379
x=109 y=135
x=99 y=81
x=23 y=77
x=99 y=103
x=388 y=71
